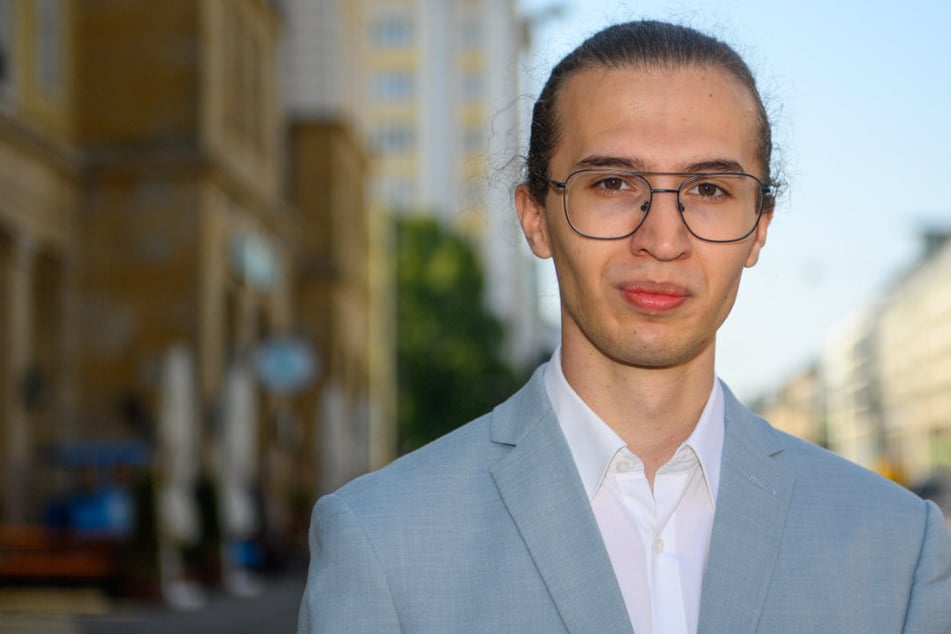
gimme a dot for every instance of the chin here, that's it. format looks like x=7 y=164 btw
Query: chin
x=655 y=354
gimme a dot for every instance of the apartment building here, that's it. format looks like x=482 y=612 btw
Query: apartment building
x=431 y=88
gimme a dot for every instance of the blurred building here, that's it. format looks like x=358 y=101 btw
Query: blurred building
x=186 y=234
x=159 y=203
x=41 y=184
x=851 y=372
x=915 y=349
x=185 y=228
x=200 y=179
x=884 y=379
x=432 y=88
x=345 y=284
x=143 y=152
x=797 y=408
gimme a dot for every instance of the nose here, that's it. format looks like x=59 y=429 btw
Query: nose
x=662 y=234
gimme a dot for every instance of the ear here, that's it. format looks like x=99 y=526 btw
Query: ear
x=759 y=236
x=534 y=222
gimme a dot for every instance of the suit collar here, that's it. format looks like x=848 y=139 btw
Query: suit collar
x=755 y=490
x=539 y=484
x=515 y=417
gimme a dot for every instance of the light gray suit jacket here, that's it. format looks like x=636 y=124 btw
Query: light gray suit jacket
x=490 y=530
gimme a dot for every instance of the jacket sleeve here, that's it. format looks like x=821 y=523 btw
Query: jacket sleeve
x=929 y=606
x=347 y=590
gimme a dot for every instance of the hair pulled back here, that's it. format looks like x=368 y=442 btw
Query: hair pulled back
x=639 y=44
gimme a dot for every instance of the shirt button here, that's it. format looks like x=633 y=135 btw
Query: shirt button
x=658 y=546
x=623 y=465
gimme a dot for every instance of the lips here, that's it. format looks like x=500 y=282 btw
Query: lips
x=655 y=299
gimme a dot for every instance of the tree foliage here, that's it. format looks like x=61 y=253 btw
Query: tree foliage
x=449 y=347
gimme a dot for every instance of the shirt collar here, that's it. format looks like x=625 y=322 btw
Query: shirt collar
x=593 y=443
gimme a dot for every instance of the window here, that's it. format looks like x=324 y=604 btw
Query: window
x=473 y=194
x=6 y=48
x=391 y=31
x=393 y=86
x=471 y=33
x=48 y=41
x=394 y=138
x=473 y=140
x=395 y=191
x=941 y=447
x=245 y=56
x=471 y=86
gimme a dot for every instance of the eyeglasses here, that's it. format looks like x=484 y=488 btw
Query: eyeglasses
x=607 y=204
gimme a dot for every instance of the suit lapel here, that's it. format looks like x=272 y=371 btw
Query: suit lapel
x=541 y=489
x=751 y=511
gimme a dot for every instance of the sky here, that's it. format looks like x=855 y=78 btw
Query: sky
x=859 y=93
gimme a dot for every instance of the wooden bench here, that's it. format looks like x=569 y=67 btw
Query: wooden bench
x=38 y=552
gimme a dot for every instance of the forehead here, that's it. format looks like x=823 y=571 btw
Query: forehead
x=656 y=119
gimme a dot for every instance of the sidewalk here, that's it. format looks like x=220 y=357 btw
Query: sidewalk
x=88 y=612
x=48 y=610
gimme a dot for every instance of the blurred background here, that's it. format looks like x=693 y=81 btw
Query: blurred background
x=251 y=249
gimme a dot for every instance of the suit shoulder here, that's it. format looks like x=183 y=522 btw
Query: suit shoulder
x=456 y=464
x=463 y=455
x=834 y=476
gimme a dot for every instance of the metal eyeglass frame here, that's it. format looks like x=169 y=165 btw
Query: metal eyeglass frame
x=765 y=190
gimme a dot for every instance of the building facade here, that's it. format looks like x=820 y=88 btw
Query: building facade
x=185 y=226
x=184 y=186
x=142 y=159
x=431 y=87
x=851 y=372
x=798 y=408
x=915 y=350
x=345 y=283
x=40 y=177
x=343 y=291
x=882 y=391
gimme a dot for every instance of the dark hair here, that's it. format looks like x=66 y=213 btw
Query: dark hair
x=640 y=44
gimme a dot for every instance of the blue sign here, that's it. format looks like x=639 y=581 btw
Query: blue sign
x=287 y=365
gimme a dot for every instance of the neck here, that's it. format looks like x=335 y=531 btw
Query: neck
x=653 y=410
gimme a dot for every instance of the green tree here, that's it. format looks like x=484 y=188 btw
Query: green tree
x=449 y=347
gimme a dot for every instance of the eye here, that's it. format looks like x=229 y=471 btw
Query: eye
x=607 y=184
x=612 y=183
x=708 y=190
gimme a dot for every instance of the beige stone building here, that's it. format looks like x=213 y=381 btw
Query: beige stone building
x=851 y=375
x=344 y=295
x=915 y=351
x=151 y=184
x=185 y=228
x=797 y=408
x=40 y=181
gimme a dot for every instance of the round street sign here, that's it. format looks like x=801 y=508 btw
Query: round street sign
x=287 y=364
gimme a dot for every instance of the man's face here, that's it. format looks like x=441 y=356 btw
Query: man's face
x=656 y=298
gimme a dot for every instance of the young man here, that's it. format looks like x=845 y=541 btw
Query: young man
x=624 y=488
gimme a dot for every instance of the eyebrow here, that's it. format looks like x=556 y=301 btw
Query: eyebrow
x=636 y=165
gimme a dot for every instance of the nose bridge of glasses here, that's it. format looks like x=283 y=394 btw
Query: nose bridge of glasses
x=662 y=190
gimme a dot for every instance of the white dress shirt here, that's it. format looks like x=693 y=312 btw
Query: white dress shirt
x=657 y=540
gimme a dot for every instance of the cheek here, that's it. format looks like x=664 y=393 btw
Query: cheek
x=723 y=266
x=578 y=269
x=728 y=280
